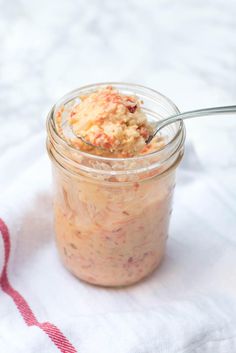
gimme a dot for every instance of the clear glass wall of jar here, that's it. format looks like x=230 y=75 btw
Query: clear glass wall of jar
x=112 y=214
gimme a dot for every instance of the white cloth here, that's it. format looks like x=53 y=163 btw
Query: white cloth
x=188 y=305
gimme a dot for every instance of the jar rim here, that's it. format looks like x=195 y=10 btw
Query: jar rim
x=99 y=166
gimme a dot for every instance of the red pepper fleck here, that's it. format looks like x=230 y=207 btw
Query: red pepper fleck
x=73 y=246
x=132 y=108
x=107 y=145
x=99 y=134
x=144 y=132
x=116 y=230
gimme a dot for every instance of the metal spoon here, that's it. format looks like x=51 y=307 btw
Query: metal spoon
x=191 y=114
x=174 y=118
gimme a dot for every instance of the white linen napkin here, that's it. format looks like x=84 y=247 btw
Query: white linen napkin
x=187 y=306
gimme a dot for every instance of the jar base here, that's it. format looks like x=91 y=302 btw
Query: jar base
x=117 y=285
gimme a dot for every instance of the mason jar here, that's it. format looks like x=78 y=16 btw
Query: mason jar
x=112 y=215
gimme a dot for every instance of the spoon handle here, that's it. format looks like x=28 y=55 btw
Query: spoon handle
x=194 y=114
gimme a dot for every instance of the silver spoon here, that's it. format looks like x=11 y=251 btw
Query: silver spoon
x=191 y=114
x=174 y=118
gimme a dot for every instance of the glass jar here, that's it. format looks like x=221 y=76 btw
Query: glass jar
x=112 y=214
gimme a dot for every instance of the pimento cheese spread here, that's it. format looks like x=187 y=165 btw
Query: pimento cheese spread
x=110 y=232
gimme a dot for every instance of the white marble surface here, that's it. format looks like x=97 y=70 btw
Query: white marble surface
x=186 y=50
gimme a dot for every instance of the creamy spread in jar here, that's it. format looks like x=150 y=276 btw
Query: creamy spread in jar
x=112 y=201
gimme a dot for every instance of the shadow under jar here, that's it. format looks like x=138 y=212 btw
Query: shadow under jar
x=112 y=214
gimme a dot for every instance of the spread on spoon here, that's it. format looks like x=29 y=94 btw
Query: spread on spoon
x=113 y=122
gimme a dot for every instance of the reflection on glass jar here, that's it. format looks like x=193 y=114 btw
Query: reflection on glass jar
x=112 y=214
